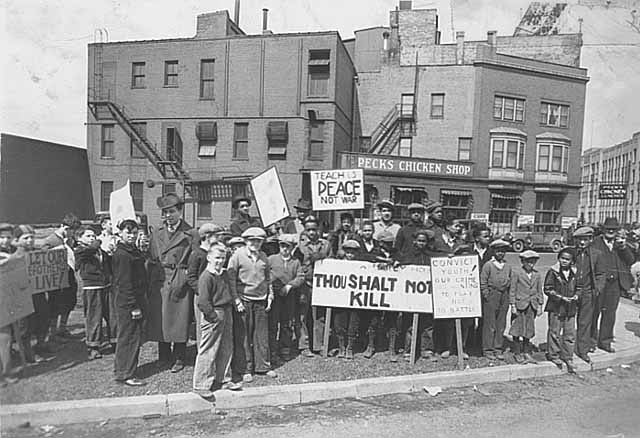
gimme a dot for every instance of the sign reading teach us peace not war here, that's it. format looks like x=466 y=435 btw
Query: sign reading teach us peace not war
x=364 y=285
x=341 y=189
x=456 y=287
x=47 y=269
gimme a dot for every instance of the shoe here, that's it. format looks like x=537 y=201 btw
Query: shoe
x=445 y=354
x=500 y=355
x=393 y=357
x=94 y=354
x=571 y=369
x=607 y=348
x=557 y=362
x=232 y=386
x=271 y=374
x=368 y=353
x=11 y=379
x=529 y=359
x=519 y=358
x=342 y=352
x=177 y=367
x=592 y=349
x=465 y=356
x=134 y=382
x=247 y=378
x=204 y=393
x=427 y=354
x=584 y=356
x=307 y=353
x=349 y=352
x=489 y=354
x=37 y=358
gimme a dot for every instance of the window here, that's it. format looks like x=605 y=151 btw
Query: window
x=404 y=148
x=174 y=145
x=138 y=75
x=504 y=206
x=319 y=72
x=548 y=208
x=106 y=187
x=204 y=210
x=137 y=189
x=406 y=106
x=106 y=149
x=207 y=134
x=140 y=128
x=171 y=73
x=277 y=136
x=437 y=106
x=168 y=188
x=507 y=153
x=316 y=141
x=552 y=114
x=508 y=108
x=207 y=67
x=464 y=149
x=553 y=157
x=241 y=141
x=456 y=204
x=402 y=197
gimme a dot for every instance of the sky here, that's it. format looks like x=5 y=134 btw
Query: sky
x=44 y=42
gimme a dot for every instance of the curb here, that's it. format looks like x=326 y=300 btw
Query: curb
x=91 y=410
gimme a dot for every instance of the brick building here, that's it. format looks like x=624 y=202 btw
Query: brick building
x=615 y=168
x=491 y=128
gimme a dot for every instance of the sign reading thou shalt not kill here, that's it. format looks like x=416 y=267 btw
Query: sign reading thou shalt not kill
x=456 y=287
x=363 y=285
x=340 y=189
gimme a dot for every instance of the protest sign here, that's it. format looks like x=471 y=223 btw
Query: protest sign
x=121 y=206
x=47 y=269
x=364 y=285
x=270 y=199
x=337 y=189
x=15 y=290
x=456 y=287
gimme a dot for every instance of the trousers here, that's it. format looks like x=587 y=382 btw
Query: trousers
x=561 y=336
x=213 y=362
x=585 y=322
x=251 y=339
x=96 y=309
x=604 y=315
x=127 y=345
x=495 y=307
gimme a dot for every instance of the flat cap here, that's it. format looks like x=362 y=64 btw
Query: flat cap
x=350 y=244
x=386 y=203
x=310 y=218
x=209 y=228
x=529 y=254
x=289 y=239
x=254 y=233
x=429 y=233
x=121 y=225
x=499 y=243
x=415 y=206
x=583 y=232
x=4 y=226
x=236 y=241
x=169 y=200
x=433 y=206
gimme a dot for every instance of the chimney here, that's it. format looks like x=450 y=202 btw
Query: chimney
x=492 y=38
x=460 y=47
x=236 y=13
x=265 y=16
x=405 y=5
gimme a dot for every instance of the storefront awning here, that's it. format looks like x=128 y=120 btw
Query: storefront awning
x=505 y=196
x=455 y=192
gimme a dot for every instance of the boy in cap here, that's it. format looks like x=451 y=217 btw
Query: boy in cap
x=347 y=321
x=405 y=236
x=526 y=300
x=286 y=278
x=495 y=280
x=250 y=280
x=385 y=223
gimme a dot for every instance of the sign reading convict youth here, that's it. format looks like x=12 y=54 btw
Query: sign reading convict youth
x=456 y=287
x=363 y=285
x=341 y=189
x=47 y=269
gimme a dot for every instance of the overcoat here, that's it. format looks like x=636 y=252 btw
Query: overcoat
x=168 y=320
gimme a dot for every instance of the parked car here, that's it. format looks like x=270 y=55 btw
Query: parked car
x=536 y=237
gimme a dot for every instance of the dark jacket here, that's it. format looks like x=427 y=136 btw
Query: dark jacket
x=373 y=255
x=488 y=255
x=337 y=238
x=129 y=277
x=240 y=223
x=556 y=286
x=597 y=269
x=418 y=257
x=196 y=266
x=92 y=265
x=284 y=273
x=213 y=291
x=616 y=264
x=404 y=238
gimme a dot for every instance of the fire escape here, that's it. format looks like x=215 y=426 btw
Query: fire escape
x=102 y=106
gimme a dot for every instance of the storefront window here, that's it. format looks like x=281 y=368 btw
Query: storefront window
x=456 y=204
x=548 y=211
x=504 y=206
x=402 y=197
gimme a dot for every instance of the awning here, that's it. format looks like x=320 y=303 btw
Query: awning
x=319 y=61
x=275 y=150
x=278 y=131
x=503 y=196
x=455 y=192
x=506 y=130
x=207 y=131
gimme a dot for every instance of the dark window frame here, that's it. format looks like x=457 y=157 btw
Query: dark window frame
x=138 y=79
x=171 y=78
x=107 y=142
x=207 y=83
x=437 y=109
x=239 y=141
x=106 y=188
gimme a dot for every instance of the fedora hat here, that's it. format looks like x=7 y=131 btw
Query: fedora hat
x=303 y=204
x=611 y=223
x=169 y=200
x=237 y=199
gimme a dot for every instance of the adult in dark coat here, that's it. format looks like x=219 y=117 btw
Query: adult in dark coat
x=130 y=288
x=170 y=311
x=242 y=220
x=617 y=260
x=404 y=239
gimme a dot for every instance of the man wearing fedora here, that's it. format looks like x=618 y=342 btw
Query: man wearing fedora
x=170 y=296
x=385 y=223
x=617 y=260
x=296 y=225
x=242 y=220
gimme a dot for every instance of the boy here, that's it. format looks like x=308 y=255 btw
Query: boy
x=214 y=305
x=562 y=305
x=286 y=278
x=92 y=267
x=526 y=299
x=347 y=321
x=250 y=281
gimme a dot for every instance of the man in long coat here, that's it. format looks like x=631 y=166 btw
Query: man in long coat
x=170 y=300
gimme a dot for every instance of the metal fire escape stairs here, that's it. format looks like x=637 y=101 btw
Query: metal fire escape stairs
x=101 y=106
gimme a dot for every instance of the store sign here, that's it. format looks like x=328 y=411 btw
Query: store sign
x=484 y=217
x=612 y=191
x=526 y=219
x=568 y=221
x=406 y=166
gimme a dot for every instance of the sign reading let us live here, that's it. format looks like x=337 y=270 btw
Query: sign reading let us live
x=403 y=165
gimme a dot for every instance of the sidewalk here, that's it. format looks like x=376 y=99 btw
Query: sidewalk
x=73 y=411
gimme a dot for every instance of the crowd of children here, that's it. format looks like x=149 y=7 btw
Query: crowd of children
x=250 y=294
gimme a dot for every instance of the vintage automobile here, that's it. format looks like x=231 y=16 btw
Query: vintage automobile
x=536 y=237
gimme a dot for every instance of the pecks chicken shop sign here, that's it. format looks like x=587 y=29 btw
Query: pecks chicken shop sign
x=406 y=166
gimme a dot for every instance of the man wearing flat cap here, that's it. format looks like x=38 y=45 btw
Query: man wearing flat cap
x=617 y=258
x=404 y=238
x=170 y=295
x=242 y=219
x=386 y=207
x=590 y=280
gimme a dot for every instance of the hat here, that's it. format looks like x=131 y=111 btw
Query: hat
x=236 y=241
x=429 y=233
x=169 y=200
x=303 y=204
x=386 y=203
x=225 y=231
x=569 y=250
x=310 y=218
x=385 y=236
x=346 y=215
x=529 y=254
x=6 y=227
x=433 y=206
x=583 y=232
x=209 y=228
x=463 y=249
x=19 y=230
x=237 y=199
x=499 y=244
x=127 y=223
x=254 y=233
x=289 y=239
x=350 y=244
x=611 y=223
x=415 y=206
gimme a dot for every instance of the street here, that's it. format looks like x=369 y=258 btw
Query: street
x=599 y=404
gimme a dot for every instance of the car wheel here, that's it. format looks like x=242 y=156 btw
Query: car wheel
x=556 y=246
x=518 y=246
